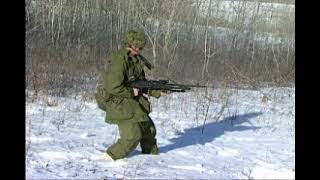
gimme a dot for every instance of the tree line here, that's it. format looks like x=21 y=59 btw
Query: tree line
x=236 y=43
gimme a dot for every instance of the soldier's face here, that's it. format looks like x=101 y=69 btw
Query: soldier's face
x=134 y=50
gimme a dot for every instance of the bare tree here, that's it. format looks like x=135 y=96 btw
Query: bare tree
x=244 y=42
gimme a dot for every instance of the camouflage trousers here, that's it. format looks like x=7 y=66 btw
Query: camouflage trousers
x=131 y=134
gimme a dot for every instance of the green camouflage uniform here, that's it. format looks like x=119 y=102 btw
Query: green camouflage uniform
x=122 y=108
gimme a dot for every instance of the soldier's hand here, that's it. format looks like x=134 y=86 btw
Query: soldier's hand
x=164 y=93
x=135 y=92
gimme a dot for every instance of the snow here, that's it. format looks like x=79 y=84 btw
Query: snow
x=253 y=137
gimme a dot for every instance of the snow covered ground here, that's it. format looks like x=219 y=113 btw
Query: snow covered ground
x=253 y=138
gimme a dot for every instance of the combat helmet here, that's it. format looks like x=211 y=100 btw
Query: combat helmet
x=136 y=38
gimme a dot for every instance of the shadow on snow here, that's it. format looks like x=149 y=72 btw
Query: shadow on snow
x=211 y=130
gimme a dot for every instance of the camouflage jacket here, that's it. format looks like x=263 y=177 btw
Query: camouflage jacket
x=121 y=103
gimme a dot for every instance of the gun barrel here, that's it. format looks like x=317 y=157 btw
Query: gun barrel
x=199 y=86
x=161 y=85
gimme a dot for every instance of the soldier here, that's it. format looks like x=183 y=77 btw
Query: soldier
x=127 y=107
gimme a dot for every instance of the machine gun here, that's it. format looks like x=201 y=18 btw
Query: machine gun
x=164 y=85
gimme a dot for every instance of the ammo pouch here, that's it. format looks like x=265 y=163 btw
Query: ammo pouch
x=116 y=108
x=119 y=108
x=100 y=96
